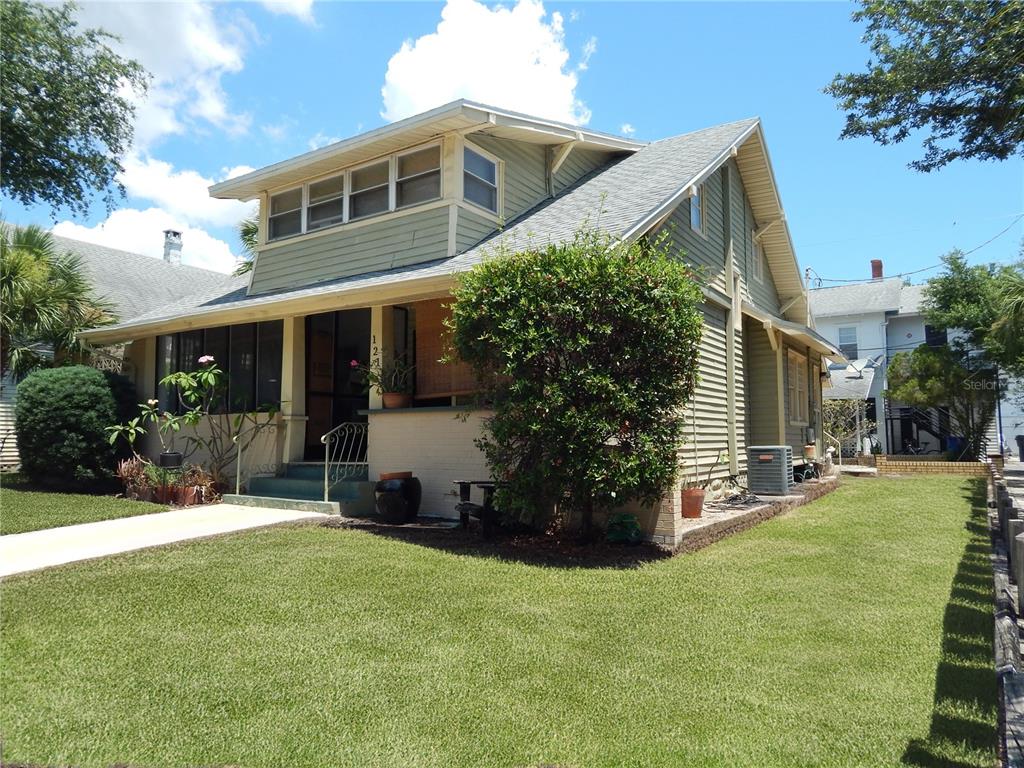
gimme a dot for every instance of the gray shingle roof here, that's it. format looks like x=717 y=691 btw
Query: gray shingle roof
x=136 y=284
x=859 y=299
x=614 y=199
x=850 y=382
x=911 y=297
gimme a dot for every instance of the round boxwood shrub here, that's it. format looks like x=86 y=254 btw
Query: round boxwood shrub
x=60 y=417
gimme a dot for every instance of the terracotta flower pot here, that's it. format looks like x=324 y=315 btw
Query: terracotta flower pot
x=395 y=475
x=396 y=399
x=186 y=495
x=693 y=502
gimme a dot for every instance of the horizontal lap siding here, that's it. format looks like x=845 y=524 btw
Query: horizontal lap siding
x=525 y=171
x=761 y=292
x=705 y=253
x=578 y=164
x=9 y=449
x=707 y=412
x=740 y=375
x=470 y=229
x=762 y=396
x=396 y=242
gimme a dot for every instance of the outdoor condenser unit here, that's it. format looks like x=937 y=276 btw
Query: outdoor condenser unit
x=770 y=469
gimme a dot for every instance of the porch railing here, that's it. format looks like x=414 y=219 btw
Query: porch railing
x=344 y=453
x=838 y=444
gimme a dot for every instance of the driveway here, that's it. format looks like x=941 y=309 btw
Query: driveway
x=34 y=550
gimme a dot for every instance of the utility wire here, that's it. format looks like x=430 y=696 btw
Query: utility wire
x=819 y=280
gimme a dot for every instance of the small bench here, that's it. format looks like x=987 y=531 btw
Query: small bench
x=485 y=512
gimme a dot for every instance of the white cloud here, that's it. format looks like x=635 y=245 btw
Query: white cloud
x=510 y=57
x=182 y=194
x=627 y=129
x=321 y=139
x=188 y=48
x=142 y=232
x=300 y=9
x=589 y=49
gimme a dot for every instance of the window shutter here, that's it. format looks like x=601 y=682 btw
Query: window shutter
x=434 y=378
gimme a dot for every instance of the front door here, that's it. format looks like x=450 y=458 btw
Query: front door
x=334 y=394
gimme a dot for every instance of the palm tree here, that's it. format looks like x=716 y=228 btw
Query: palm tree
x=248 y=233
x=45 y=301
x=1009 y=328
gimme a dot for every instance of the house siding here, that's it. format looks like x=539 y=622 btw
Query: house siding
x=707 y=432
x=762 y=293
x=762 y=395
x=470 y=229
x=525 y=172
x=704 y=252
x=578 y=164
x=395 y=242
x=8 y=438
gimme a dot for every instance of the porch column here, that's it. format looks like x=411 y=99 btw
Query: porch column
x=293 y=388
x=382 y=334
x=780 y=383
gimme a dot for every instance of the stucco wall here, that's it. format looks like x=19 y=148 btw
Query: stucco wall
x=436 y=446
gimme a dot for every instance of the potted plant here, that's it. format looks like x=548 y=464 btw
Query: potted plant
x=392 y=379
x=693 y=499
x=132 y=473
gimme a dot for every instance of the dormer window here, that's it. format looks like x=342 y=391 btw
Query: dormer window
x=370 y=192
x=480 y=180
x=418 y=177
x=697 y=210
x=285 y=214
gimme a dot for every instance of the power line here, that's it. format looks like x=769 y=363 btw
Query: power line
x=819 y=280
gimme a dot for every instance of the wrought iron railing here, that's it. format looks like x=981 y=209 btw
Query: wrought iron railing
x=838 y=443
x=244 y=439
x=344 y=454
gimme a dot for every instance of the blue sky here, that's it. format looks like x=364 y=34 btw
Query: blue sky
x=241 y=85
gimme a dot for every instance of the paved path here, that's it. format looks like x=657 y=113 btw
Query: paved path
x=20 y=552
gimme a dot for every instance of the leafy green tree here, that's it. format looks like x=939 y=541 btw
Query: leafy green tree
x=944 y=377
x=588 y=352
x=45 y=301
x=65 y=107
x=954 y=70
x=248 y=234
x=1008 y=328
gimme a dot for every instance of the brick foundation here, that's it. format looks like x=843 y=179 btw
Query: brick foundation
x=929 y=465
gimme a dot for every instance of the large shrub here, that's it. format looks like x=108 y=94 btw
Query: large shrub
x=60 y=417
x=588 y=352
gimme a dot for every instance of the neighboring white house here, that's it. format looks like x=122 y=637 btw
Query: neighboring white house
x=877 y=319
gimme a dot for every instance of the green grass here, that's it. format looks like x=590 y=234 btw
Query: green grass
x=24 y=507
x=855 y=631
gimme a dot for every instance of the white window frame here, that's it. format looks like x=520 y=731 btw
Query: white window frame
x=499 y=196
x=306 y=202
x=840 y=343
x=702 y=210
x=392 y=160
x=439 y=171
x=757 y=258
x=301 y=208
x=797 y=389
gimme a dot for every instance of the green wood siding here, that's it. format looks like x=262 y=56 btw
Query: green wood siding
x=705 y=252
x=578 y=164
x=762 y=292
x=525 y=171
x=762 y=395
x=740 y=378
x=707 y=412
x=470 y=229
x=394 y=242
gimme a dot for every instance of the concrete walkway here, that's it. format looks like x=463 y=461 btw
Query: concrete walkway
x=20 y=552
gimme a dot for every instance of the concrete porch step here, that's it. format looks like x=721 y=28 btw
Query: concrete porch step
x=299 y=505
x=312 y=470
x=353 y=497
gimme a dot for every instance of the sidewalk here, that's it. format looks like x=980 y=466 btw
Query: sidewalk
x=21 y=552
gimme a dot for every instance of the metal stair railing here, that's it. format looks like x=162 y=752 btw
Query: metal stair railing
x=240 y=446
x=344 y=453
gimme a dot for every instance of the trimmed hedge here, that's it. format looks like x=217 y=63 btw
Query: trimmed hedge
x=60 y=417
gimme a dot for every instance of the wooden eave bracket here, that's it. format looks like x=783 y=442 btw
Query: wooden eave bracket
x=762 y=231
x=561 y=155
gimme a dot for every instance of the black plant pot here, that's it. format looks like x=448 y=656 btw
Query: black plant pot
x=170 y=459
x=398 y=500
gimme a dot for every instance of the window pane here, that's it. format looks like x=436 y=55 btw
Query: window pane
x=325 y=214
x=268 y=378
x=216 y=345
x=191 y=345
x=242 y=367
x=368 y=203
x=326 y=189
x=286 y=201
x=476 y=191
x=285 y=224
x=696 y=212
x=419 y=189
x=480 y=166
x=419 y=162
x=371 y=176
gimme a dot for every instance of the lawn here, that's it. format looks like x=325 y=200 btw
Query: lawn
x=24 y=507
x=855 y=631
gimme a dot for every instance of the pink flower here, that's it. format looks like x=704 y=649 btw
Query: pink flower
x=206 y=359
x=354 y=363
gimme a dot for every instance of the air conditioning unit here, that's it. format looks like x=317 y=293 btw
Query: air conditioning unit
x=770 y=469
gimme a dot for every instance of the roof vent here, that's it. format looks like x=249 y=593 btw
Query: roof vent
x=876 y=269
x=172 y=246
